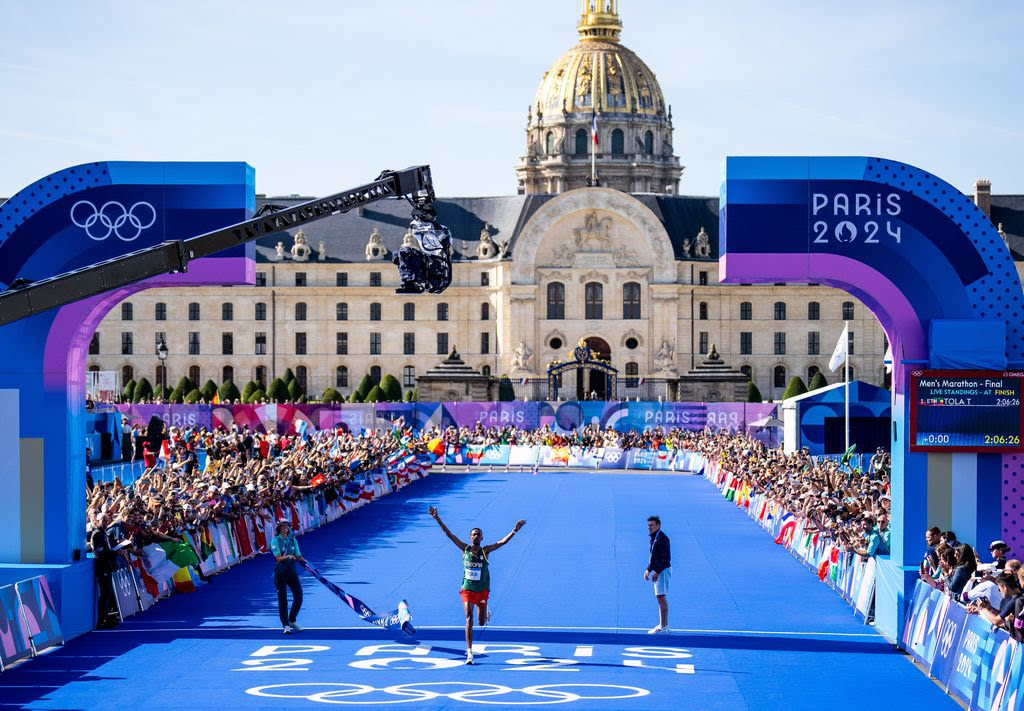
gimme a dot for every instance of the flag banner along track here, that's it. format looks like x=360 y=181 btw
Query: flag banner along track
x=400 y=619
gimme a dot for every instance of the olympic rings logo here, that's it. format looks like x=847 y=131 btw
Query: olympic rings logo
x=476 y=693
x=113 y=217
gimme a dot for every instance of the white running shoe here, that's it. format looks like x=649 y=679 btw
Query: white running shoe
x=469 y=656
x=657 y=630
x=287 y=629
x=295 y=627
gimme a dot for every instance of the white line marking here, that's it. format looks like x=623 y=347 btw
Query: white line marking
x=787 y=633
x=584 y=651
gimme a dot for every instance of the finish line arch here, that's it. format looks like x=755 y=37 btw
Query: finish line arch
x=920 y=255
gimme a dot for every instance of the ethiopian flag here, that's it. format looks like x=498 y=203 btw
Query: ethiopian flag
x=180 y=553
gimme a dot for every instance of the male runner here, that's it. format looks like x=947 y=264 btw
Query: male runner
x=476 y=578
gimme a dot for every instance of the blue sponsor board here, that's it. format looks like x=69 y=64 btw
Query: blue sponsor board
x=639 y=459
x=973 y=653
x=614 y=458
x=994 y=671
x=1011 y=696
x=949 y=632
x=663 y=460
x=496 y=454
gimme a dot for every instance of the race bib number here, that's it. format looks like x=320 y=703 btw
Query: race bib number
x=473 y=574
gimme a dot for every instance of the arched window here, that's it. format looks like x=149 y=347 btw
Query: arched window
x=618 y=142
x=442 y=312
x=261 y=376
x=780 y=310
x=127 y=373
x=593 y=294
x=556 y=300
x=341 y=376
x=193 y=311
x=853 y=376
x=847 y=310
x=813 y=311
x=409 y=376
x=632 y=371
x=811 y=372
x=160 y=311
x=228 y=373
x=702 y=311
x=746 y=311
x=485 y=311
x=747 y=371
x=300 y=311
x=649 y=143
x=302 y=376
x=581 y=142
x=194 y=374
x=779 y=376
x=341 y=311
x=631 y=300
x=375 y=311
x=549 y=143
x=409 y=311
x=126 y=311
x=486 y=370
x=261 y=311
x=375 y=374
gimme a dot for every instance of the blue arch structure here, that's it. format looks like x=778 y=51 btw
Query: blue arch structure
x=71 y=219
x=917 y=252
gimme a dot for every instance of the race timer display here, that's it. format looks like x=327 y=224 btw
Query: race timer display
x=965 y=411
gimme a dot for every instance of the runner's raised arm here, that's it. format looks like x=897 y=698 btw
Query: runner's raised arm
x=495 y=546
x=454 y=539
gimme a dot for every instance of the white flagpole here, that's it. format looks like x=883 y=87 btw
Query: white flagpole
x=593 y=157
x=846 y=368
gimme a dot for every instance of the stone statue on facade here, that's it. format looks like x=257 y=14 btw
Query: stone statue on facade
x=521 y=357
x=375 y=248
x=301 y=250
x=687 y=246
x=279 y=254
x=321 y=254
x=703 y=248
x=486 y=249
x=665 y=358
x=595 y=235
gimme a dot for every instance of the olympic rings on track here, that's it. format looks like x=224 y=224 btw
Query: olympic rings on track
x=479 y=693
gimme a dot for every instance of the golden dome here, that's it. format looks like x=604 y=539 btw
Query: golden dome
x=623 y=83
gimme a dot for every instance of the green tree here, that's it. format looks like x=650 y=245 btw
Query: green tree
x=143 y=390
x=375 y=394
x=506 y=391
x=249 y=389
x=278 y=391
x=303 y=400
x=794 y=387
x=753 y=394
x=294 y=391
x=193 y=397
x=186 y=385
x=354 y=397
x=817 y=382
x=176 y=396
x=332 y=395
x=129 y=390
x=208 y=390
x=364 y=387
x=408 y=396
x=228 y=392
x=288 y=376
x=391 y=387
x=255 y=396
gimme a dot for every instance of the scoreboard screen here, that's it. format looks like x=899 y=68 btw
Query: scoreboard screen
x=965 y=411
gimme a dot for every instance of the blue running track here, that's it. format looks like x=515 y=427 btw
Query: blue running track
x=752 y=628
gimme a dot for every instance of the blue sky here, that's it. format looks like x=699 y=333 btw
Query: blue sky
x=320 y=96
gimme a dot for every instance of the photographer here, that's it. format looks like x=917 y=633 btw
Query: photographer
x=105 y=563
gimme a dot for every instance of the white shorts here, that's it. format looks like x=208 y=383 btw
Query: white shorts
x=662 y=583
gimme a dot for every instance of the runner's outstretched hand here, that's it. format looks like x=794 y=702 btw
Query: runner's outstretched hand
x=519 y=524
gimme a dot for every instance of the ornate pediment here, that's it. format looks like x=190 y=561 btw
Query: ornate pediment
x=593 y=276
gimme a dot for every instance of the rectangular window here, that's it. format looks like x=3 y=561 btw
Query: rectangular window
x=813 y=343
x=813 y=311
x=261 y=278
x=780 y=310
x=442 y=344
x=746 y=342
x=374 y=344
x=746 y=311
x=261 y=311
x=375 y=311
x=702 y=278
x=485 y=279
x=261 y=343
x=126 y=312
x=227 y=312
x=409 y=376
x=127 y=343
x=193 y=311
x=409 y=311
x=300 y=278
x=227 y=344
x=158 y=338
x=341 y=279
x=94 y=344
x=780 y=343
x=849 y=342
x=341 y=344
x=409 y=343
x=300 y=343
x=485 y=343
x=374 y=278
x=193 y=342
x=442 y=312
x=703 y=341
x=161 y=312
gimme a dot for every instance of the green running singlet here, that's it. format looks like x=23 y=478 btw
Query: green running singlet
x=475 y=575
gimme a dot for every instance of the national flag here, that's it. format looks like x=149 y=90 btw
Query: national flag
x=158 y=565
x=300 y=427
x=787 y=531
x=524 y=381
x=593 y=128
x=436 y=446
x=475 y=452
x=183 y=581
x=352 y=491
x=317 y=480
x=825 y=562
x=180 y=553
x=730 y=488
x=848 y=455
x=165 y=451
x=840 y=352
x=641 y=381
x=216 y=399
x=367 y=490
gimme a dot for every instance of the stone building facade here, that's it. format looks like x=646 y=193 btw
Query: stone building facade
x=629 y=267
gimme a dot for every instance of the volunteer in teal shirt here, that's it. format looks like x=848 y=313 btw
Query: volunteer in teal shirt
x=286 y=554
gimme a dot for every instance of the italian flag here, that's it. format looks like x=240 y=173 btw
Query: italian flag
x=730 y=489
x=829 y=558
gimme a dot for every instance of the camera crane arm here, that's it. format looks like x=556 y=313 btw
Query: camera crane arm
x=24 y=300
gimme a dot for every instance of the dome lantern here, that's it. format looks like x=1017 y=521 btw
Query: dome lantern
x=600 y=21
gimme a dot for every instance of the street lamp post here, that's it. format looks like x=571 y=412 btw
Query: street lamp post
x=161 y=353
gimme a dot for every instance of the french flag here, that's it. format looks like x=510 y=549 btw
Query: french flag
x=593 y=127
x=787 y=531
